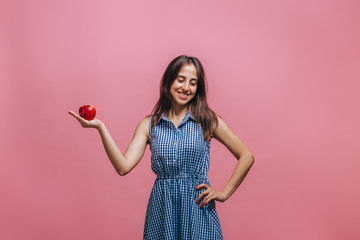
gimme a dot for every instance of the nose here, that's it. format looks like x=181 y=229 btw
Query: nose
x=186 y=85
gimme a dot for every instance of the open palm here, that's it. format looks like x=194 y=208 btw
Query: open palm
x=95 y=123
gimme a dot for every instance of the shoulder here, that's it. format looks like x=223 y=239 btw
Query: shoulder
x=143 y=126
x=219 y=127
x=216 y=122
x=145 y=122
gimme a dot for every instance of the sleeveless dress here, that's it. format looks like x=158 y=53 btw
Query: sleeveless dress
x=180 y=159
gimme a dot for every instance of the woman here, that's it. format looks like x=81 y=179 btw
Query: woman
x=179 y=132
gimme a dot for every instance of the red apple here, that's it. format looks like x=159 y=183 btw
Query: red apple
x=87 y=112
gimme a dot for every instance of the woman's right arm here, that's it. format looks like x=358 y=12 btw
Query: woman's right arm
x=123 y=163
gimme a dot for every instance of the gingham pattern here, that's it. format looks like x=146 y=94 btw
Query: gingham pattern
x=180 y=159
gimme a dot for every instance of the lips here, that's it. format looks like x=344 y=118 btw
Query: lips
x=183 y=95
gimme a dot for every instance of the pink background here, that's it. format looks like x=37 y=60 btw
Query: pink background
x=283 y=74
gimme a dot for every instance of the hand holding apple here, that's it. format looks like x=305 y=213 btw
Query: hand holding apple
x=87 y=114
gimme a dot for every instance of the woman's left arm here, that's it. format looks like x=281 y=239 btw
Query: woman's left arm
x=245 y=160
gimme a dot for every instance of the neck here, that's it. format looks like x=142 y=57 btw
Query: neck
x=178 y=111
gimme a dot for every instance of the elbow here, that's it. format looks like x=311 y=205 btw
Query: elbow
x=122 y=172
x=252 y=159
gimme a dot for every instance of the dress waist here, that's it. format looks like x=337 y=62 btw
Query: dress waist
x=183 y=175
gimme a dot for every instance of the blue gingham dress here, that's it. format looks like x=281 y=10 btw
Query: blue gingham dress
x=180 y=159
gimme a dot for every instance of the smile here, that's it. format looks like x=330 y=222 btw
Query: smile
x=183 y=95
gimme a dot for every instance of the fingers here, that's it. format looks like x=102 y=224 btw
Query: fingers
x=208 y=198
x=74 y=114
x=81 y=120
x=202 y=185
x=208 y=192
x=201 y=195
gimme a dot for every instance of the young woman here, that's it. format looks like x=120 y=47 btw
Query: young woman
x=179 y=132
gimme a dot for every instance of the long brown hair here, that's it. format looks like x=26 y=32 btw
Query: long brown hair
x=198 y=106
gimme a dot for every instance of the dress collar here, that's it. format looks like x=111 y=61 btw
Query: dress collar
x=187 y=117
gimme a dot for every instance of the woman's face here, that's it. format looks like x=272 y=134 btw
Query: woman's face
x=184 y=87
